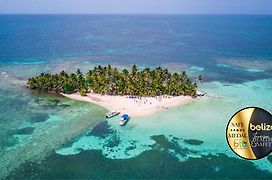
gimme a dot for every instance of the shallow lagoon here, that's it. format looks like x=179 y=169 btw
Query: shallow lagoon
x=73 y=128
x=205 y=120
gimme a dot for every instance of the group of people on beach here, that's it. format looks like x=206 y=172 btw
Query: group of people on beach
x=143 y=100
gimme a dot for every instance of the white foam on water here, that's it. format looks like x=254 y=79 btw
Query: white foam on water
x=255 y=70
x=197 y=68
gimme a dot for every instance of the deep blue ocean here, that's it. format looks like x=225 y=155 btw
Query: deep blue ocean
x=232 y=52
x=199 y=41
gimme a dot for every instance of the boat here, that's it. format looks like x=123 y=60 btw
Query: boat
x=112 y=114
x=124 y=119
x=199 y=93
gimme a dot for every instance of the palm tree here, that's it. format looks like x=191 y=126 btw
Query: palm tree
x=200 y=79
x=106 y=80
x=134 y=70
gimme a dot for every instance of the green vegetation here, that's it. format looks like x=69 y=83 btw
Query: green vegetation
x=108 y=80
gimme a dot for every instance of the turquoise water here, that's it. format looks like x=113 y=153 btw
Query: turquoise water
x=204 y=120
x=184 y=142
x=47 y=136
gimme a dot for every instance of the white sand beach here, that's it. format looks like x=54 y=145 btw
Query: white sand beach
x=135 y=107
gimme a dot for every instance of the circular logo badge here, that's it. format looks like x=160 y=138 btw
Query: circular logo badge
x=249 y=133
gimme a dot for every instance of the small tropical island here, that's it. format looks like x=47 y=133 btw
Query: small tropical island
x=137 y=92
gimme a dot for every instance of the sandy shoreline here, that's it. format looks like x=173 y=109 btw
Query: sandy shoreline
x=135 y=107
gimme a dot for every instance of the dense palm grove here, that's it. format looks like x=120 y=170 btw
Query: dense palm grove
x=108 y=80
